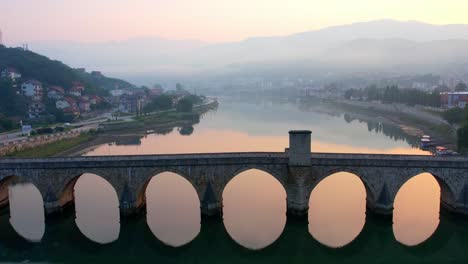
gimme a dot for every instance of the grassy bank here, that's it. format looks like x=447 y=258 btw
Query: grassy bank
x=54 y=148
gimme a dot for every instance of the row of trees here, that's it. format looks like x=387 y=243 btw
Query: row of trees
x=165 y=102
x=393 y=94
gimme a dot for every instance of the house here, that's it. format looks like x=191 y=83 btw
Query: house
x=10 y=73
x=454 y=99
x=32 y=89
x=128 y=103
x=76 y=90
x=36 y=109
x=56 y=92
x=84 y=105
x=66 y=103
x=72 y=110
x=94 y=99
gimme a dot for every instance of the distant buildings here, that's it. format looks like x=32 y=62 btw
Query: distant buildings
x=77 y=89
x=454 y=99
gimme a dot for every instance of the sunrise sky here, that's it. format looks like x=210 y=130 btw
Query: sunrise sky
x=206 y=20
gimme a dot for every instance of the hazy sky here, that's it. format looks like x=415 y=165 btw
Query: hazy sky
x=207 y=20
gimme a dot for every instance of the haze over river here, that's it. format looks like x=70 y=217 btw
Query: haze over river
x=254 y=226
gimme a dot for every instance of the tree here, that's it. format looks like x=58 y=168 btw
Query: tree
x=11 y=104
x=462 y=137
x=454 y=115
x=461 y=87
x=185 y=105
x=349 y=93
x=159 y=103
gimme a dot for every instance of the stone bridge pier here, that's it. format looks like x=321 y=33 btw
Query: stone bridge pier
x=297 y=169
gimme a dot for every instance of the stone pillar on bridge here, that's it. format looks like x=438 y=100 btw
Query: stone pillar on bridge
x=210 y=205
x=299 y=171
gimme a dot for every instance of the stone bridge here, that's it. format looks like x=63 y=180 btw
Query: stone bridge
x=297 y=169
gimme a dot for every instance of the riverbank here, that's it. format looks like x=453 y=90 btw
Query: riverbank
x=108 y=132
x=411 y=120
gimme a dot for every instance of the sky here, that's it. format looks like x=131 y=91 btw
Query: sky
x=205 y=20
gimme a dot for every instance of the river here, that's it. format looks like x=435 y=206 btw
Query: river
x=254 y=226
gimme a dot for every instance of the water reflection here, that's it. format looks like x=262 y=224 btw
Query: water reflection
x=416 y=210
x=337 y=209
x=173 y=209
x=186 y=130
x=27 y=211
x=97 y=209
x=254 y=209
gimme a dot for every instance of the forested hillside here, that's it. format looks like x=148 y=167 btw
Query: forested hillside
x=50 y=72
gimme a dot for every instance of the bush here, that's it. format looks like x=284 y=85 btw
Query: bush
x=44 y=130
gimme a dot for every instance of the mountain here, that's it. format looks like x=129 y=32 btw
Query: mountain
x=382 y=43
x=52 y=72
x=120 y=56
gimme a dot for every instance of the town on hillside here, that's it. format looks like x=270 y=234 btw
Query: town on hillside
x=37 y=103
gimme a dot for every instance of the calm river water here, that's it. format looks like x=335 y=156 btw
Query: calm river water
x=254 y=226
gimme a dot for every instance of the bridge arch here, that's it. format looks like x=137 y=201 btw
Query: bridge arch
x=4 y=189
x=448 y=190
x=341 y=196
x=371 y=188
x=415 y=202
x=172 y=208
x=143 y=185
x=254 y=219
x=66 y=192
x=97 y=214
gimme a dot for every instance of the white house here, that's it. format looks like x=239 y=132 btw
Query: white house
x=10 y=73
x=32 y=89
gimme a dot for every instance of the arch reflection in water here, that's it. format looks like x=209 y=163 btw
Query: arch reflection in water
x=254 y=209
x=27 y=211
x=173 y=209
x=416 y=210
x=337 y=209
x=97 y=209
